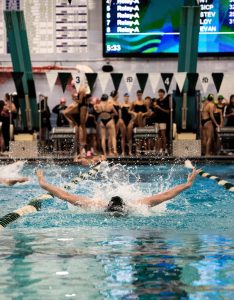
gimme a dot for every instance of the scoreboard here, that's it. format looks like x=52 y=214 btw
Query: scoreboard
x=151 y=27
x=53 y=26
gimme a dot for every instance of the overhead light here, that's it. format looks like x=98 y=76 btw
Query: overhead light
x=69 y=1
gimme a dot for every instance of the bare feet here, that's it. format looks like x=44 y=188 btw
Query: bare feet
x=113 y=154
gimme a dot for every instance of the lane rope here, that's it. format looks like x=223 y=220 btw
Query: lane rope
x=35 y=204
x=227 y=185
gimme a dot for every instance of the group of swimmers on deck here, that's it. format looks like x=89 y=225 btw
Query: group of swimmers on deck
x=214 y=115
x=100 y=122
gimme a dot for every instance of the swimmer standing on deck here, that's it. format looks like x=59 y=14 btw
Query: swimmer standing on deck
x=116 y=206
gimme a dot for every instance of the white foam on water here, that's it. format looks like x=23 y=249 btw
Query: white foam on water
x=117 y=180
x=62 y=273
x=13 y=170
x=188 y=164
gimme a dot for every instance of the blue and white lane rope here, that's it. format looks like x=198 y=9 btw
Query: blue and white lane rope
x=227 y=185
x=35 y=204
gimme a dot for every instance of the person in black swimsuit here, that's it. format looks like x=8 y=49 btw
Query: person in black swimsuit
x=162 y=112
x=115 y=95
x=221 y=104
x=58 y=110
x=45 y=124
x=91 y=125
x=128 y=121
x=119 y=125
x=218 y=116
x=208 y=122
x=230 y=112
x=229 y=115
x=204 y=121
x=151 y=119
x=125 y=111
x=105 y=111
x=140 y=109
x=76 y=114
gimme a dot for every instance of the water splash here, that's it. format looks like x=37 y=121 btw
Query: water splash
x=125 y=182
x=13 y=170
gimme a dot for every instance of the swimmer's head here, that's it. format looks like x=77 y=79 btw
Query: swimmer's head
x=220 y=97
x=114 y=94
x=116 y=207
x=104 y=97
x=210 y=97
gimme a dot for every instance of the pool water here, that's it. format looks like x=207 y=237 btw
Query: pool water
x=180 y=250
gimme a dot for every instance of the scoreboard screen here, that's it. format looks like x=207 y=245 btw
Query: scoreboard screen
x=151 y=27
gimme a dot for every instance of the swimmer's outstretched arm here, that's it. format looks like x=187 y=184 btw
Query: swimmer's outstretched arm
x=11 y=182
x=77 y=200
x=165 y=196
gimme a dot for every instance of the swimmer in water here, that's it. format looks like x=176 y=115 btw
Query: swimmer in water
x=11 y=182
x=116 y=207
x=87 y=161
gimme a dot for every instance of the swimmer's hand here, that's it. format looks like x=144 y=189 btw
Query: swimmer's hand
x=192 y=176
x=22 y=179
x=40 y=175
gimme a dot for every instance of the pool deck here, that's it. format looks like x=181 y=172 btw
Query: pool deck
x=126 y=160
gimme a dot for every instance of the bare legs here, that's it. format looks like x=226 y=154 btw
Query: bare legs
x=127 y=132
x=207 y=137
x=140 y=120
x=110 y=130
x=83 y=134
x=129 y=137
x=120 y=126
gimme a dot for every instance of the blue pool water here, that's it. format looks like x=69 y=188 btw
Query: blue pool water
x=182 y=250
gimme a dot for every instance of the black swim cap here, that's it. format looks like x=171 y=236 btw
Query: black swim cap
x=114 y=93
x=210 y=97
x=104 y=97
x=116 y=207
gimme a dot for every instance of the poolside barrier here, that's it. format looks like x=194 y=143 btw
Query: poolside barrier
x=227 y=185
x=35 y=204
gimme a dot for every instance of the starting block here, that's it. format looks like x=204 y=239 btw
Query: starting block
x=23 y=149
x=187 y=148
x=142 y=134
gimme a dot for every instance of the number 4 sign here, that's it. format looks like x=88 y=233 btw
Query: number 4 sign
x=167 y=78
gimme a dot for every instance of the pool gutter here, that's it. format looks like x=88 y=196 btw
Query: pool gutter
x=127 y=160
